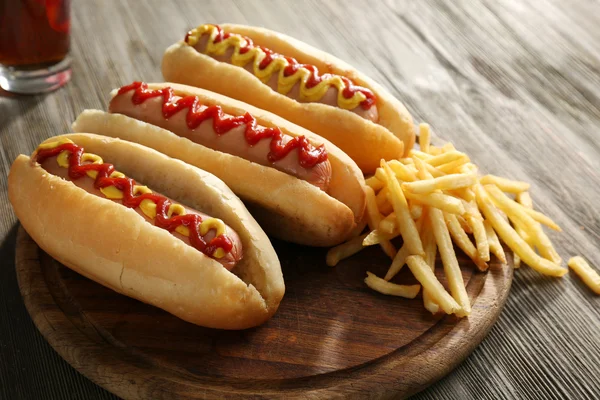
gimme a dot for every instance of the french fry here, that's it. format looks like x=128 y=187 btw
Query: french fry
x=380 y=175
x=430 y=248
x=451 y=267
x=585 y=272
x=389 y=224
x=495 y=246
x=446 y=158
x=406 y=224
x=432 y=172
x=434 y=150
x=385 y=287
x=516 y=261
x=448 y=147
x=419 y=154
x=463 y=242
x=429 y=303
x=374 y=183
x=411 y=167
x=422 y=171
x=475 y=221
x=381 y=197
x=427 y=279
x=374 y=218
x=469 y=168
x=403 y=172
x=517 y=212
x=541 y=218
x=345 y=250
x=524 y=199
x=463 y=224
x=438 y=200
x=435 y=172
x=512 y=239
x=468 y=194
x=424 y=137
x=429 y=244
x=404 y=252
x=386 y=208
x=506 y=185
x=416 y=210
x=376 y=237
x=447 y=182
x=520 y=229
x=454 y=166
x=398 y=262
x=524 y=235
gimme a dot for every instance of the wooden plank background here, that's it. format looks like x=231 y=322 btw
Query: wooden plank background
x=514 y=84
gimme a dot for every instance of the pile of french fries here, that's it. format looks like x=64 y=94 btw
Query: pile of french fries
x=435 y=199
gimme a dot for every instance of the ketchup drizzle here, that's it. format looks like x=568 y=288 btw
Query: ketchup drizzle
x=293 y=65
x=308 y=155
x=191 y=221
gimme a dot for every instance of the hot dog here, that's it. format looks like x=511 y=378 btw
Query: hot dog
x=285 y=75
x=299 y=186
x=201 y=257
x=298 y=82
x=211 y=127
x=209 y=235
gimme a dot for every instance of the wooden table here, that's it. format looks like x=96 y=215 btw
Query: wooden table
x=514 y=84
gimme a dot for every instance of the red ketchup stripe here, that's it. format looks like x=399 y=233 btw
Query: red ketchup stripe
x=313 y=79
x=191 y=221
x=308 y=155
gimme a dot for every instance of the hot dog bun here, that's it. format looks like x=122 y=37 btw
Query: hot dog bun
x=114 y=246
x=287 y=207
x=364 y=141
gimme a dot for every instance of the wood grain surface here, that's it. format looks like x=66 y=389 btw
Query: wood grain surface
x=331 y=337
x=514 y=84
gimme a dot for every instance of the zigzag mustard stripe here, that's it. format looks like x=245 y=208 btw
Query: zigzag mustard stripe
x=147 y=206
x=284 y=83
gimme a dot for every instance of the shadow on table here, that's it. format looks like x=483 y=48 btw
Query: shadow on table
x=7 y=252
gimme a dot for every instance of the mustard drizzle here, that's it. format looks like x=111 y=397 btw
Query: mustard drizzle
x=278 y=65
x=147 y=206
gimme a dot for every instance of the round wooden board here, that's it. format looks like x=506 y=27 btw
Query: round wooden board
x=331 y=337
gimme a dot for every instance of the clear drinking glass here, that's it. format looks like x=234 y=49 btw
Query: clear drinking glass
x=34 y=45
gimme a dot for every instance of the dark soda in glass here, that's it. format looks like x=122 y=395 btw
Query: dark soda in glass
x=34 y=37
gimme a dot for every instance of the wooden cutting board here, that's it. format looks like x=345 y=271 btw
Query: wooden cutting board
x=331 y=337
